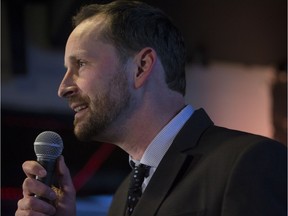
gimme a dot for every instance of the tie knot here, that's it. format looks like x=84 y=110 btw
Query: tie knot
x=141 y=170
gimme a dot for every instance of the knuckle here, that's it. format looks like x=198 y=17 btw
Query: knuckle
x=31 y=168
x=27 y=183
x=26 y=165
x=27 y=203
x=24 y=206
x=19 y=204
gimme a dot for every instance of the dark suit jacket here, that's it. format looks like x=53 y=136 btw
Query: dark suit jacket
x=213 y=171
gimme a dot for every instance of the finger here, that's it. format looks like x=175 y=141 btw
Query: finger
x=65 y=179
x=20 y=212
x=33 y=205
x=33 y=168
x=33 y=187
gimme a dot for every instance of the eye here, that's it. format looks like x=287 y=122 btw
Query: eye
x=80 y=63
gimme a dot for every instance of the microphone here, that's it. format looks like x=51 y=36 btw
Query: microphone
x=48 y=147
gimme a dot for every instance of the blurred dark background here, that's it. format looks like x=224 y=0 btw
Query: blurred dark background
x=34 y=34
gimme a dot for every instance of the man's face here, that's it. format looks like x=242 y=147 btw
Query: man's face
x=95 y=84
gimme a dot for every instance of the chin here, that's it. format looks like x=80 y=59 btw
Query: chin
x=80 y=134
x=84 y=134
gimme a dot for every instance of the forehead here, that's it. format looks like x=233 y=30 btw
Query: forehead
x=89 y=29
x=85 y=37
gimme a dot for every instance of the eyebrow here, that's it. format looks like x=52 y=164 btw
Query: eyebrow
x=71 y=59
x=74 y=57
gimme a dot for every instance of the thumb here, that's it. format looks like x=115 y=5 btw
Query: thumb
x=66 y=195
x=65 y=180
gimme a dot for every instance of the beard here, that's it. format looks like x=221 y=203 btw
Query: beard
x=104 y=109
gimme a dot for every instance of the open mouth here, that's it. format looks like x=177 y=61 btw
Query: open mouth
x=79 y=108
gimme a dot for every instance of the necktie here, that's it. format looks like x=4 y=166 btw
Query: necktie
x=135 y=189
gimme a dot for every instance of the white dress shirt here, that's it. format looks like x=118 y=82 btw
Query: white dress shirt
x=161 y=143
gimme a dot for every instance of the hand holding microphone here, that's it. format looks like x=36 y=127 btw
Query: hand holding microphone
x=37 y=191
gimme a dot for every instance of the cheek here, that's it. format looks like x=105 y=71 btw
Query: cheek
x=88 y=85
x=84 y=86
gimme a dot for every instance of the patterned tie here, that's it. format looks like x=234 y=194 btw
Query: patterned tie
x=139 y=172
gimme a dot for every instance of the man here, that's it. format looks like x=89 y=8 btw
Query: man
x=125 y=80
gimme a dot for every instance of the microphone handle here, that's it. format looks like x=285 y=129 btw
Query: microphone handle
x=49 y=166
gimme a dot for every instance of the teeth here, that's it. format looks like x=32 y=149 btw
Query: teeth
x=79 y=108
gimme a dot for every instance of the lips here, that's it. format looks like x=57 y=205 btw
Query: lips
x=79 y=108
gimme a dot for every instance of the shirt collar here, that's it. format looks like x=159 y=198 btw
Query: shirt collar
x=161 y=143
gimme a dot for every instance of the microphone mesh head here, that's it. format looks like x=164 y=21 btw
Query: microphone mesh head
x=48 y=145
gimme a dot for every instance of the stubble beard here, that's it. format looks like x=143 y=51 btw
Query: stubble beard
x=104 y=109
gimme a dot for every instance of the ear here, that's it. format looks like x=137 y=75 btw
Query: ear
x=145 y=61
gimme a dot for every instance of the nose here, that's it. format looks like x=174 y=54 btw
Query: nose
x=68 y=86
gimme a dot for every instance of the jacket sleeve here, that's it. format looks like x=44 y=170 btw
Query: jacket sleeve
x=257 y=185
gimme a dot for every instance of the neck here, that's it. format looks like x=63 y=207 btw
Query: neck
x=145 y=127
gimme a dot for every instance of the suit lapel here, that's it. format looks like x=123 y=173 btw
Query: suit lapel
x=173 y=164
x=158 y=188
x=118 y=205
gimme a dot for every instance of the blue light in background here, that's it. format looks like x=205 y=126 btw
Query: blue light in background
x=93 y=205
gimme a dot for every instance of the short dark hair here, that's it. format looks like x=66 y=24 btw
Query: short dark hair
x=133 y=25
